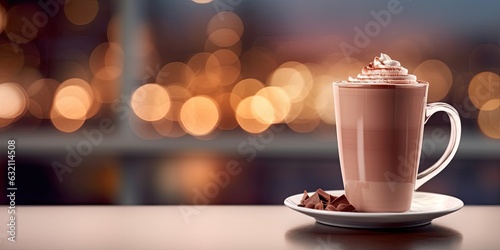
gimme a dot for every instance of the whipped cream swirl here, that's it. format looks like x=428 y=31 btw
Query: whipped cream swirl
x=383 y=69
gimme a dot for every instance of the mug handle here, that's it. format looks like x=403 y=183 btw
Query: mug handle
x=456 y=132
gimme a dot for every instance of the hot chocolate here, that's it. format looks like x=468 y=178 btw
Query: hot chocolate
x=380 y=117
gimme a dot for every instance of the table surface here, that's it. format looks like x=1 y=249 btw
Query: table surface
x=233 y=227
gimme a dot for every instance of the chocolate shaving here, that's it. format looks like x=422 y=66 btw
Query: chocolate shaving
x=321 y=200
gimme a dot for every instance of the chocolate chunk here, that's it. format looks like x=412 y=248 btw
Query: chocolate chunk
x=319 y=206
x=332 y=198
x=340 y=200
x=331 y=208
x=324 y=196
x=313 y=199
x=321 y=200
x=305 y=196
x=345 y=207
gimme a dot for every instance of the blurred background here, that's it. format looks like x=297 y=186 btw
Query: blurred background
x=228 y=101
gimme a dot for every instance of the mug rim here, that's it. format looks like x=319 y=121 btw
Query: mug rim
x=381 y=84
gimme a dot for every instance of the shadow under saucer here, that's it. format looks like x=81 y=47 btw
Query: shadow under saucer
x=319 y=236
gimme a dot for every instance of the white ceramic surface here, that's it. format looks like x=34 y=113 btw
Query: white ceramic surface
x=424 y=208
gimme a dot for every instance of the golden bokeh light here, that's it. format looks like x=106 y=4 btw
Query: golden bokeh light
x=304 y=126
x=206 y=83
x=12 y=59
x=179 y=176
x=489 y=119
x=106 y=54
x=81 y=12
x=75 y=99
x=484 y=87
x=175 y=73
x=243 y=89
x=342 y=68
x=324 y=98
x=246 y=119
x=262 y=109
x=439 y=77
x=224 y=37
x=72 y=102
x=199 y=115
x=295 y=78
x=225 y=20
x=40 y=93
x=199 y=62
x=13 y=100
x=228 y=67
x=150 y=102
x=304 y=118
x=279 y=101
x=64 y=124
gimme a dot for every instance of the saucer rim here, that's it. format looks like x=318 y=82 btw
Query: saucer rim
x=458 y=204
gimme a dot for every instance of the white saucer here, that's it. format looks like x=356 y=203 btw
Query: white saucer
x=424 y=208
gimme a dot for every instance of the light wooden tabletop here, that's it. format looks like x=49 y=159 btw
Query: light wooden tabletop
x=232 y=227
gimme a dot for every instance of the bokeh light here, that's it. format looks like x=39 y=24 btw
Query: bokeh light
x=150 y=102
x=489 y=118
x=177 y=177
x=199 y=115
x=295 y=78
x=262 y=109
x=341 y=68
x=106 y=54
x=245 y=115
x=175 y=73
x=224 y=37
x=13 y=100
x=73 y=102
x=280 y=103
x=324 y=98
x=81 y=12
x=64 y=124
x=225 y=20
x=439 y=77
x=243 y=89
x=483 y=87
x=228 y=67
